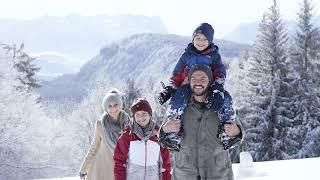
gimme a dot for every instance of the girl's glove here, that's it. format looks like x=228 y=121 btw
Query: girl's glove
x=83 y=176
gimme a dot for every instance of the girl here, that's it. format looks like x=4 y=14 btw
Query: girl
x=138 y=154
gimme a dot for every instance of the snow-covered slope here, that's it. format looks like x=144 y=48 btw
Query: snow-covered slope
x=142 y=56
x=296 y=169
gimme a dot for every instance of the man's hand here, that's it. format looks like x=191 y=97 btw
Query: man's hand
x=232 y=129
x=172 y=125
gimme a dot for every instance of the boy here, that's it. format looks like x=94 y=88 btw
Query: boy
x=200 y=51
x=138 y=154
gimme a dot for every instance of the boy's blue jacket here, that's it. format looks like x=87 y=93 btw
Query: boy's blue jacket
x=210 y=57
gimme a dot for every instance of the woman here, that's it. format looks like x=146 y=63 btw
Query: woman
x=98 y=163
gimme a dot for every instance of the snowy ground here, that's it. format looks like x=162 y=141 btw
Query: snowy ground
x=270 y=170
x=286 y=169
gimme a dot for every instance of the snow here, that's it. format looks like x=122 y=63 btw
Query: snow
x=66 y=178
x=272 y=170
x=295 y=169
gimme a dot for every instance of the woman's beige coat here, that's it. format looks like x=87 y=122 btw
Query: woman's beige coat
x=99 y=160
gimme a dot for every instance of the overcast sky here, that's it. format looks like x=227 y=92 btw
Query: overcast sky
x=179 y=16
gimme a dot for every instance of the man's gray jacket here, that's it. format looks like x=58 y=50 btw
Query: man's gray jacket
x=201 y=153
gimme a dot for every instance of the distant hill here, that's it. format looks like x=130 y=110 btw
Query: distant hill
x=53 y=65
x=247 y=32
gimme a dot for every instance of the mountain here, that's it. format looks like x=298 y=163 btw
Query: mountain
x=53 y=65
x=75 y=36
x=244 y=33
x=141 y=56
x=247 y=32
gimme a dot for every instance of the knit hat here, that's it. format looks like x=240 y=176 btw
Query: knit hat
x=205 y=29
x=141 y=104
x=201 y=67
x=112 y=96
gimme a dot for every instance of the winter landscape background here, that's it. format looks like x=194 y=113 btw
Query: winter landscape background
x=54 y=72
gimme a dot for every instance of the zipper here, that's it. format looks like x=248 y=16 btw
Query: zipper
x=145 y=160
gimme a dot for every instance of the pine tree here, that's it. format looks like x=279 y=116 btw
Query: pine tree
x=306 y=50
x=23 y=125
x=24 y=65
x=151 y=92
x=131 y=92
x=267 y=76
x=305 y=60
x=236 y=85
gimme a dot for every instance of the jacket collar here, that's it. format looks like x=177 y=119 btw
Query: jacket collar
x=211 y=48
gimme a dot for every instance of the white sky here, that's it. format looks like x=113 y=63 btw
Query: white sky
x=179 y=16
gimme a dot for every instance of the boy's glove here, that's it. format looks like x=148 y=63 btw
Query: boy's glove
x=217 y=86
x=215 y=97
x=82 y=175
x=165 y=94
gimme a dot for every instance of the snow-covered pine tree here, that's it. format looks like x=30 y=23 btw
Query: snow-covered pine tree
x=25 y=66
x=306 y=47
x=131 y=92
x=305 y=59
x=255 y=101
x=24 y=128
x=237 y=85
x=265 y=119
x=151 y=91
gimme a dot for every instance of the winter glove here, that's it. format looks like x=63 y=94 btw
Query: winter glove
x=217 y=86
x=171 y=141
x=165 y=94
x=83 y=176
x=215 y=98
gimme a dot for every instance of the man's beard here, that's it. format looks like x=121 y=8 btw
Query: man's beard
x=200 y=93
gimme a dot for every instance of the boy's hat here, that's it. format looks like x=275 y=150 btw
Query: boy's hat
x=112 y=96
x=205 y=29
x=141 y=104
x=201 y=67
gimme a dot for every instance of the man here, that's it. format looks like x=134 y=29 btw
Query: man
x=202 y=156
